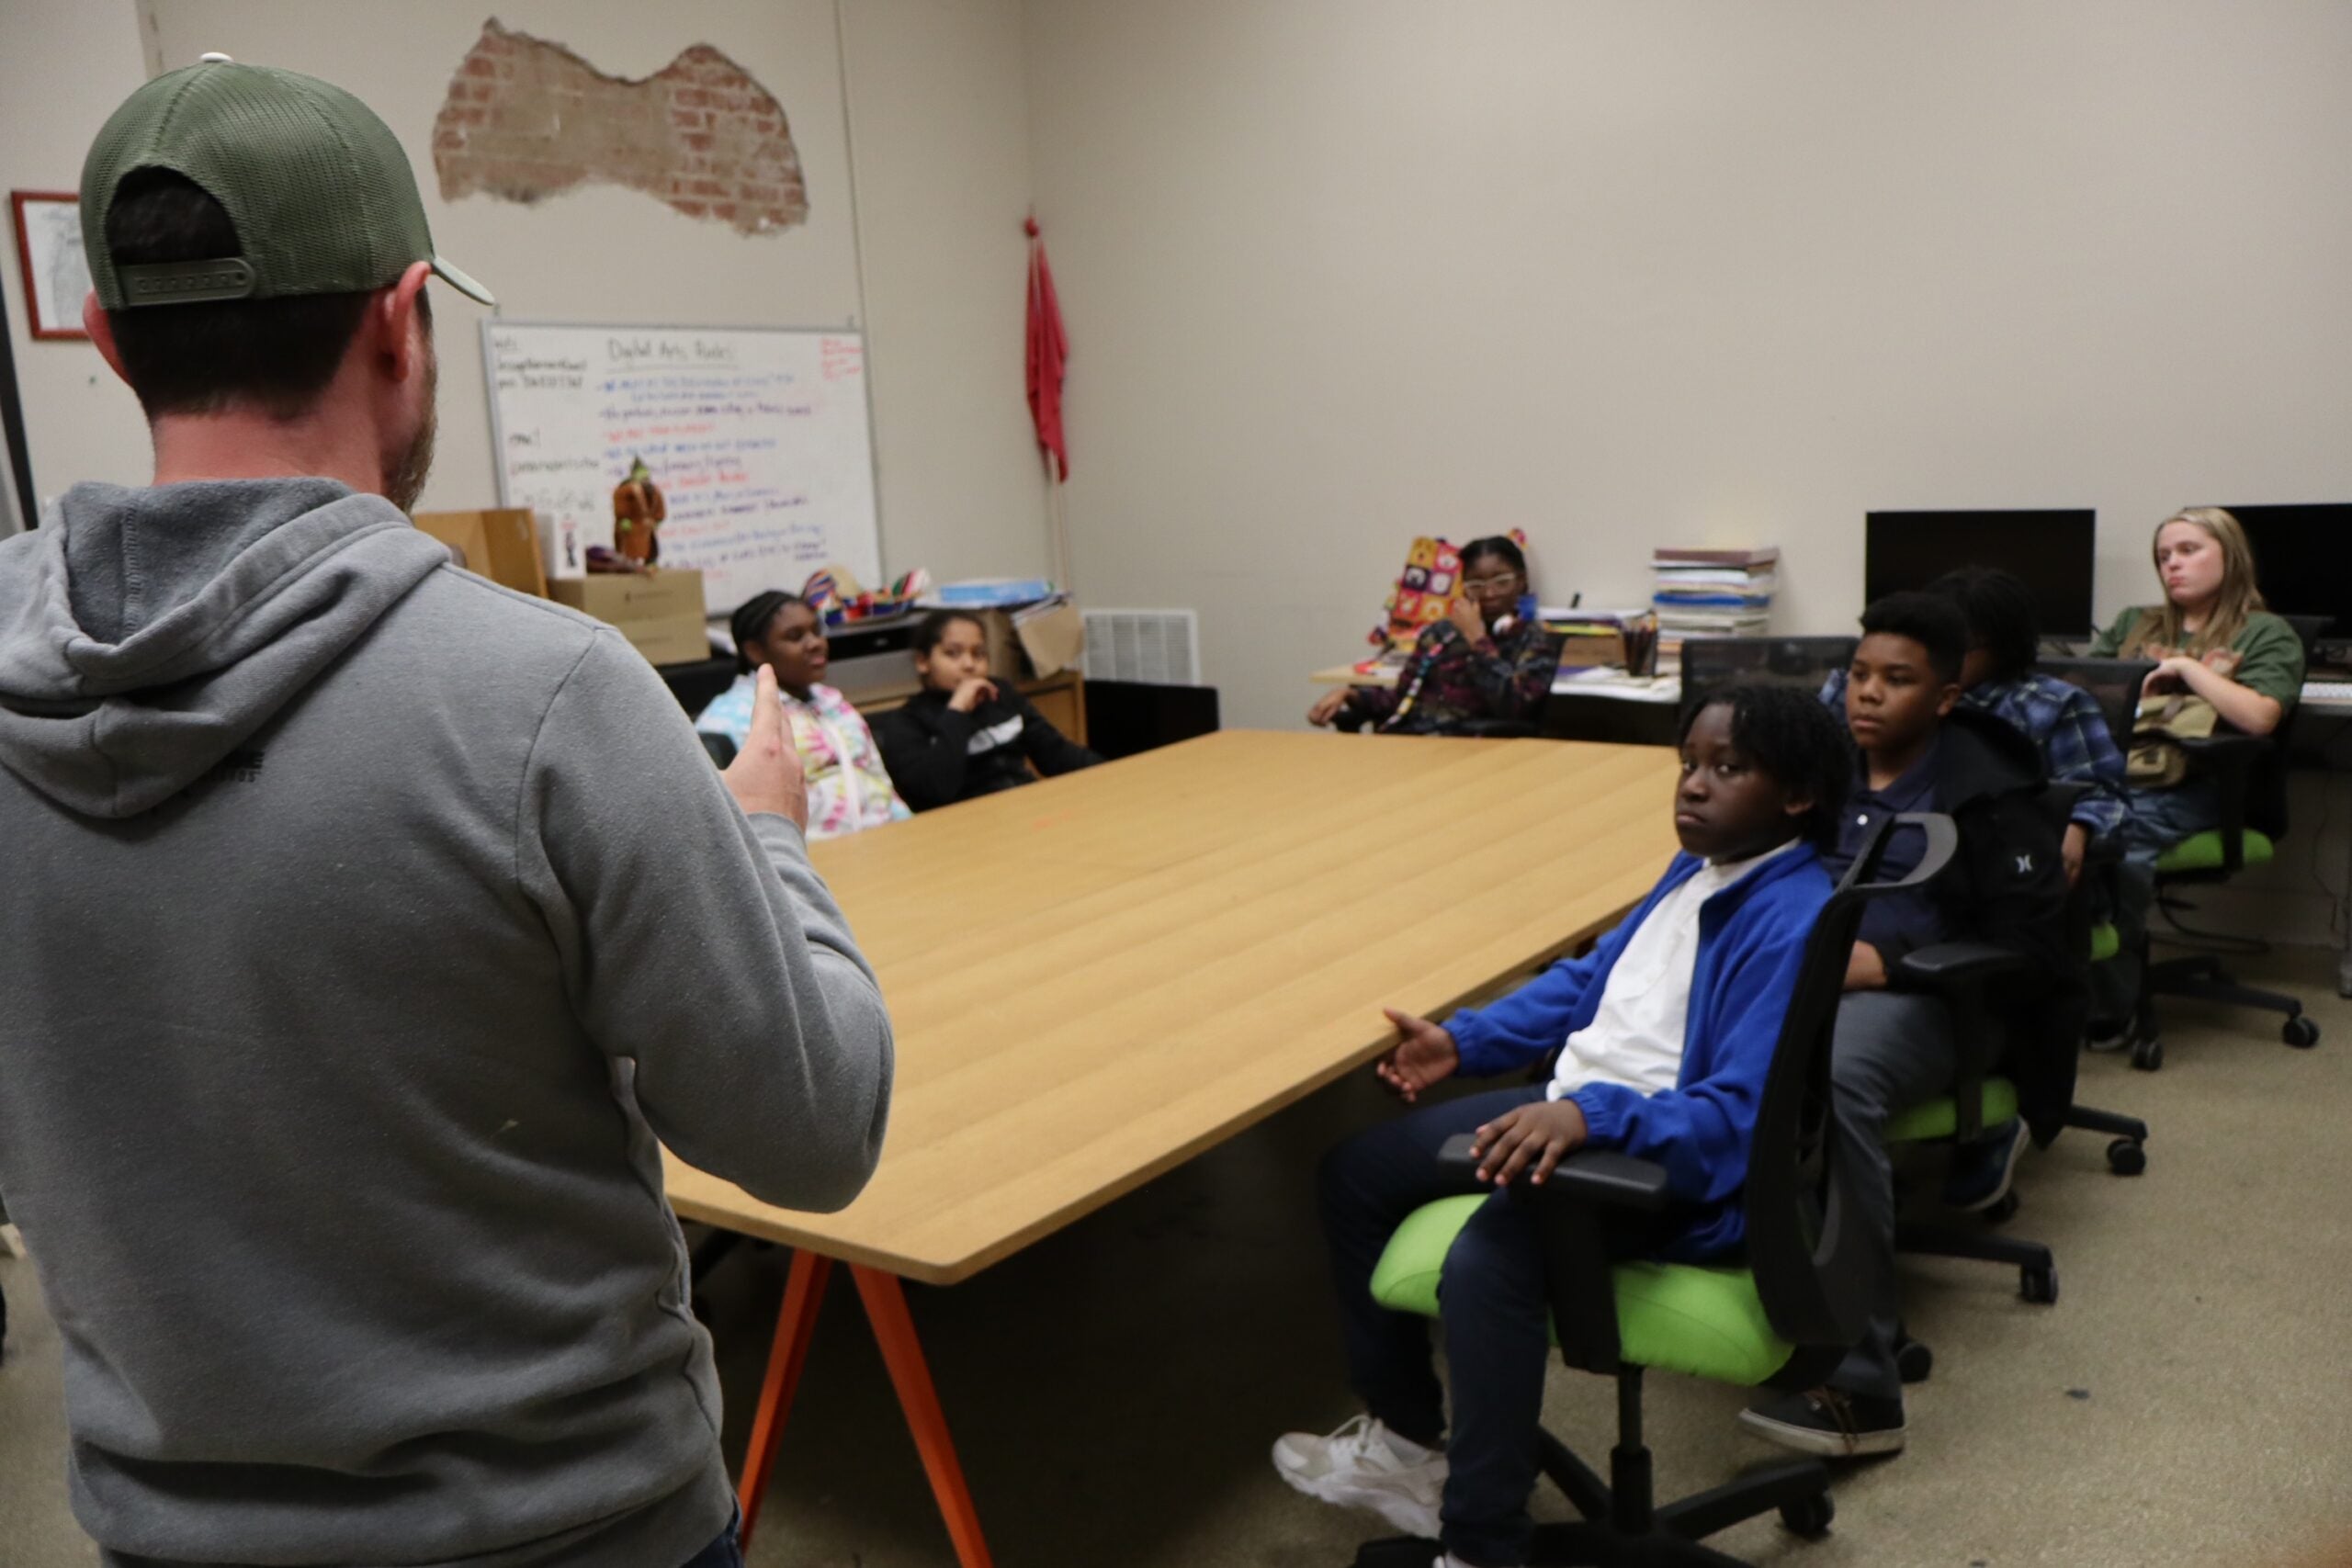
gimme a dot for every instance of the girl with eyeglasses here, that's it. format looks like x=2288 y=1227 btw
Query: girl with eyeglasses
x=1489 y=659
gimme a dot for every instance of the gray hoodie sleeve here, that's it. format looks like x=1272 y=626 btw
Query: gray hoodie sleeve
x=701 y=944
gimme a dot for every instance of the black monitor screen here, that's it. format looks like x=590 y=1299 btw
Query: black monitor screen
x=2303 y=561
x=2050 y=551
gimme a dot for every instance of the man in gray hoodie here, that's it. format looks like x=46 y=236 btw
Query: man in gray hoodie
x=364 y=925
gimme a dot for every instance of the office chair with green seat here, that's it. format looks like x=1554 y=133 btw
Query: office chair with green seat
x=2250 y=772
x=1966 y=977
x=1784 y=1318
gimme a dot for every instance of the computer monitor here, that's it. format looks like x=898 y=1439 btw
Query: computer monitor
x=2049 y=550
x=2302 y=561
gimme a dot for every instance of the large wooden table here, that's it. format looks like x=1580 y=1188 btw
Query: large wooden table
x=1096 y=977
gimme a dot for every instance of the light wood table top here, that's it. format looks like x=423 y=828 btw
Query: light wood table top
x=1096 y=977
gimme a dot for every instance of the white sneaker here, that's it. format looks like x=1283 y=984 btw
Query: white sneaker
x=1365 y=1465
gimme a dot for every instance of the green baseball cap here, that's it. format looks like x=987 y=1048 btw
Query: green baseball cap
x=316 y=186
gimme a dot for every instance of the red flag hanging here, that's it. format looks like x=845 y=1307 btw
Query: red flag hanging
x=1048 y=351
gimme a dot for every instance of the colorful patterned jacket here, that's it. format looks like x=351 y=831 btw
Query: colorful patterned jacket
x=848 y=786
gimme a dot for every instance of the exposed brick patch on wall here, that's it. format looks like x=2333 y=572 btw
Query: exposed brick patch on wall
x=526 y=118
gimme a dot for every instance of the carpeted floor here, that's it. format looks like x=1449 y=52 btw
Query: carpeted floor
x=1113 y=1388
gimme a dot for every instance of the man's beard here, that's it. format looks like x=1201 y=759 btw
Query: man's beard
x=404 y=476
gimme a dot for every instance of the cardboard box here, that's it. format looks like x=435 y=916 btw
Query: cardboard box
x=1003 y=643
x=660 y=612
x=1039 y=645
x=502 y=544
x=1603 y=653
x=1053 y=639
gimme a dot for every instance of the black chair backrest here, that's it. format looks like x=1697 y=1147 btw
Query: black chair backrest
x=1804 y=1244
x=1710 y=663
x=2308 y=628
x=2113 y=683
x=2265 y=802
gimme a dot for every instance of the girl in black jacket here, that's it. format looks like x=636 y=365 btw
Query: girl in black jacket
x=965 y=733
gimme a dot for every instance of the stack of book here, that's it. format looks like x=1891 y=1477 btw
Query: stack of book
x=1711 y=592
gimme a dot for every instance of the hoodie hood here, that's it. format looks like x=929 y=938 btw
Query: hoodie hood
x=1983 y=756
x=146 y=633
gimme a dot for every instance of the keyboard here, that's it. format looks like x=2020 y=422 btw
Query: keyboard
x=2327 y=691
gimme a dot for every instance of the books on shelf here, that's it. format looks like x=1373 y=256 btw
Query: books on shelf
x=1712 y=591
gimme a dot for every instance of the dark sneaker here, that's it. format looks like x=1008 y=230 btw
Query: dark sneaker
x=1829 y=1422
x=1980 y=1172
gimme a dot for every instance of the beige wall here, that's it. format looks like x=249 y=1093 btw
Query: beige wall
x=1337 y=271
x=940 y=121
x=63 y=70
x=941 y=181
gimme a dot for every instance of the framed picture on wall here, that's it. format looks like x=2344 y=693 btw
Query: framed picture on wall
x=48 y=244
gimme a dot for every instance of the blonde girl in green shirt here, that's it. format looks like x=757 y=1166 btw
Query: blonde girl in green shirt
x=2213 y=637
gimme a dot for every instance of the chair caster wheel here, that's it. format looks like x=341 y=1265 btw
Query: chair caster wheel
x=2002 y=1211
x=2126 y=1156
x=1914 y=1362
x=1809 y=1516
x=2300 y=1032
x=2148 y=1055
x=2039 y=1285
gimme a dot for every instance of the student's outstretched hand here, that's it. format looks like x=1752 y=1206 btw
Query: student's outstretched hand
x=1545 y=1132
x=765 y=775
x=1425 y=1055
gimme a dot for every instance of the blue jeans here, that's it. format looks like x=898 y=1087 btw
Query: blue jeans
x=2154 y=820
x=1495 y=1318
x=723 y=1552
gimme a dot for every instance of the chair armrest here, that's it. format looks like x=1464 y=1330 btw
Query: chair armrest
x=1570 y=1210
x=2225 y=756
x=1964 y=972
x=1588 y=1176
x=1603 y=1175
x=1949 y=965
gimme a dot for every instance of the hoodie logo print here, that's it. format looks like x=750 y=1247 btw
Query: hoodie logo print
x=2024 y=864
x=239 y=767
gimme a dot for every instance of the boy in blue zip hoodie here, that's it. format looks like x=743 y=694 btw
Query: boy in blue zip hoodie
x=1661 y=1040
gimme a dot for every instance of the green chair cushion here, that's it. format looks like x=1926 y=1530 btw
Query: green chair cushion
x=1706 y=1322
x=2203 y=851
x=1940 y=1118
x=2106 y=942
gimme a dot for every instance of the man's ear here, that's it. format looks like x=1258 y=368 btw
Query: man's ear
x=1797 y=805
x=1948 y=700
x=95 y=322
x=392 y=318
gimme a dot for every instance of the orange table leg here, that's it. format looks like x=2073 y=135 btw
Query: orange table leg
x=804 y=1292
x=885 y=1308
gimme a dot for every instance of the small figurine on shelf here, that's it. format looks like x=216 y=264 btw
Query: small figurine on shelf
x=638 y=511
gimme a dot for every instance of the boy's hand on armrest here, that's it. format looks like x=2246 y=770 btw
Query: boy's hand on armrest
x=765 y=775
x=1865 y=970
x=2072 y=848
x=1425 y=1055
x=1546 y=1132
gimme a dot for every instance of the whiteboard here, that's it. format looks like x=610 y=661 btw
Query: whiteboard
x=759 y=439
